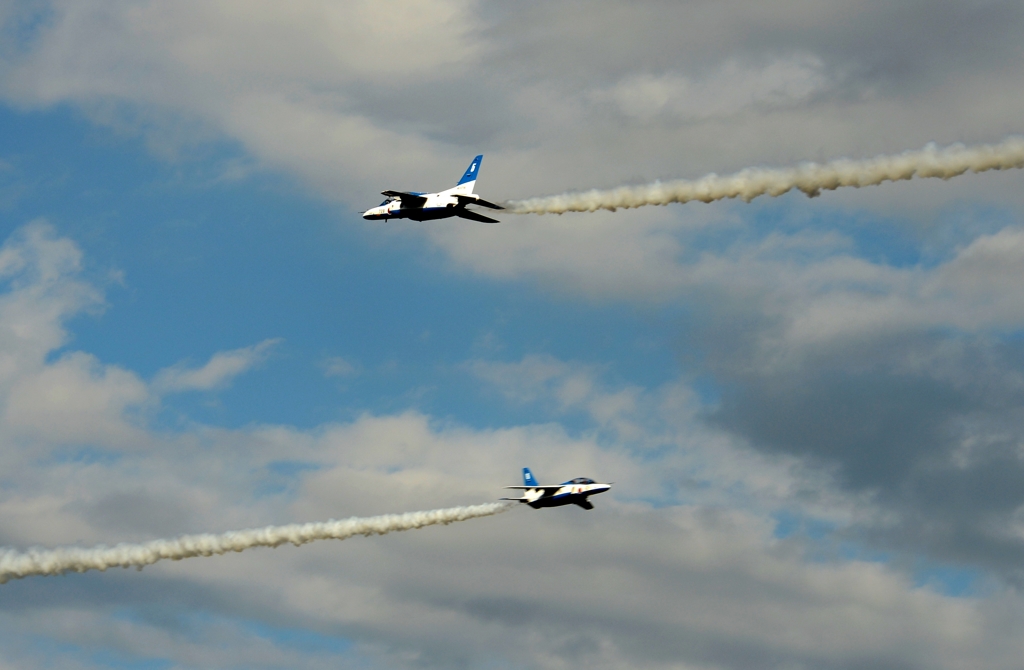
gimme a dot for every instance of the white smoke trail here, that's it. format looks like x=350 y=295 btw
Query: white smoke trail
x=15 y=564
x=811 y=178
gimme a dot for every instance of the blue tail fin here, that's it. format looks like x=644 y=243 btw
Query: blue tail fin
x=472 y=170
x=528 y=479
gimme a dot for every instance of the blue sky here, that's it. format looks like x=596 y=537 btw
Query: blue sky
x=191 y=265
x=810 y=408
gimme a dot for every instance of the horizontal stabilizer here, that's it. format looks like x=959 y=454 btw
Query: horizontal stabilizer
x=481 y=201
x=474 y=216
x=411 y=199
x=476 y=200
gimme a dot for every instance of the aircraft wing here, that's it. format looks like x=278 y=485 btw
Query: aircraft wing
x=476 y=200
x=474 y=216
x=411 y=199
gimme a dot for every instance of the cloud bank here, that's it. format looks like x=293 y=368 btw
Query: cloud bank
x=850 y=363
x=696 y=497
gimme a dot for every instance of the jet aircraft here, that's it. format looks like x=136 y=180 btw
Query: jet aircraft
x=573 y=492
x=430 y=206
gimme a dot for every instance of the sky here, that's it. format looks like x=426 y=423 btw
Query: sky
x=812 y=409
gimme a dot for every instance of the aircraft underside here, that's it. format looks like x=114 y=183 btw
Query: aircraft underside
x=435 y=213
x=427 y=214
x=558 y=501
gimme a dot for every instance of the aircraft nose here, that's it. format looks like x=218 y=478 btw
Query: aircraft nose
x=601 y=488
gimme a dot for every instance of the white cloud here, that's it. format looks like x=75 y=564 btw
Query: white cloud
x=572 y=386
x=599 y=256
x=76 y=400
x=530 y=587
x=524 y=585
x=525 y=380
x=336 y=366
x=698 y=464
x=218 y=372
x=397 y=599
x=239 y=46
x=73 y=399
x=312 y=89
x=278 y=79
x=322 y=91
x=842 y=298
x=634 y=561
x=811 y=289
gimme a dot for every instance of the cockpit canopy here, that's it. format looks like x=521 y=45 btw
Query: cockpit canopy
x=581 y=480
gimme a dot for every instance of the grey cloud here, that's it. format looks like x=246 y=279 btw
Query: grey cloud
x=678 y=602
x=456 y=113
x=966 y=513
x=706 y=585
x=915 y=44
x=896 y=40
x=137 y=512
x=111 y=590
x=878 y=425
x=521 y=84
x=937 y=445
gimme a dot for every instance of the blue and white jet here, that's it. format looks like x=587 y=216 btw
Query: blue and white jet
x=573 y=492
x=430 y=206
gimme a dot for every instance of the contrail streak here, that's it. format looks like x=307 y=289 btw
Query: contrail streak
x=15 y=564
x=811 y=178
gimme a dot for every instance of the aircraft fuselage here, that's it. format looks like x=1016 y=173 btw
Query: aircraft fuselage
x=573 y=492
x=432 y=206
x=435 y=207
x=570 y=494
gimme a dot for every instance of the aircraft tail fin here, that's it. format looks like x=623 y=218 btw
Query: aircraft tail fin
x=468 y=181
x=472 y=170
x=528 y=478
